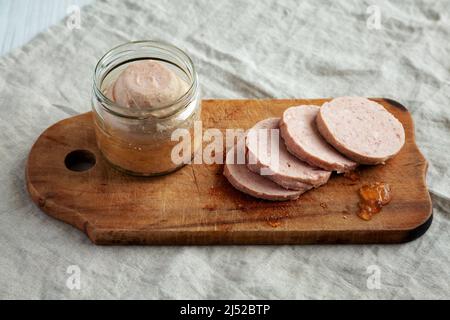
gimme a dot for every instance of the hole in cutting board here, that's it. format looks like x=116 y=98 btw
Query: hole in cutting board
x=79 y=160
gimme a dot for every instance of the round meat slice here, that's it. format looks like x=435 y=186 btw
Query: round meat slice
x=361 y=129
x=255 y=185
x=302 y=139
x=284 y=169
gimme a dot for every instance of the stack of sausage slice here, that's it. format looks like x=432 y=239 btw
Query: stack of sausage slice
x=288 y=156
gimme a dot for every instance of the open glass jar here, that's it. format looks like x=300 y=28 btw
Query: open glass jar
x=138 y=140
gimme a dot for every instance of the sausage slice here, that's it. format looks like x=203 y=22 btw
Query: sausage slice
x=361 y=129
x=299 y=131
x=285 y=170
x=255 y=185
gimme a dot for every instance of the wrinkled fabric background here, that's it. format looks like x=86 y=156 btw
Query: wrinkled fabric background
x=243 y=49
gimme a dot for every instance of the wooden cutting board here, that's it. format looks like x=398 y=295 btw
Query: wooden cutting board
x=197 y=205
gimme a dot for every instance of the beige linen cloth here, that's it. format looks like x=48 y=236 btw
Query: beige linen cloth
x=243 y=49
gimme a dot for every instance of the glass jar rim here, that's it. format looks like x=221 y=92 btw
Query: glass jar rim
x=107 y=103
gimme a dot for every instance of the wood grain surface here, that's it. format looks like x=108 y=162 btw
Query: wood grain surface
x=197 y=205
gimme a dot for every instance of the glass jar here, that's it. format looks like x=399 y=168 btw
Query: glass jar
x=138 y=140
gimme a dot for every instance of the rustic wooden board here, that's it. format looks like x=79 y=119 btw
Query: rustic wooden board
x=197 y=205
